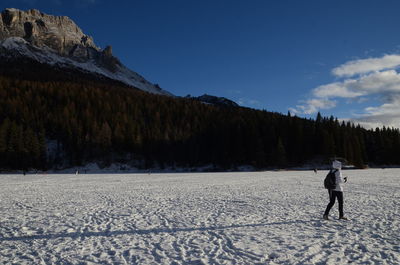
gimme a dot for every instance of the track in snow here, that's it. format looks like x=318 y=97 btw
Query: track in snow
x=199 y=218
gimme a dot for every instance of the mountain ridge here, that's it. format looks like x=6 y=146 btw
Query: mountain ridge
x=214 y=100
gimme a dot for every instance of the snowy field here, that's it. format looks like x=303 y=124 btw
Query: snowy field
x=199 y=218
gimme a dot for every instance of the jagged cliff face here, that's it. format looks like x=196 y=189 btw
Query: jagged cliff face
x=59 y=42
x=58 y=33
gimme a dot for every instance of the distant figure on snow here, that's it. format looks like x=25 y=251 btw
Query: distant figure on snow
x=315 y=171
x=336 y=192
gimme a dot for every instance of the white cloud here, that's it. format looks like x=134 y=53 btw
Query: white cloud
x=377 y=82
x=390 y=108
x=313 y=105
x=358 y=100
x=374 y=80
x=387 y=114
x=338 y=89
x=364 y=66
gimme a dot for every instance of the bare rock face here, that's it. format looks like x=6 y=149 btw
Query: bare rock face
x=59 y=33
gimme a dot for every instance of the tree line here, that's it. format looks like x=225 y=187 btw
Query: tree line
x=49 y=124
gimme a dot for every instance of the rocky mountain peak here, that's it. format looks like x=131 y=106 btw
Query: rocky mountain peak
x=59 y=33
x=57 y=41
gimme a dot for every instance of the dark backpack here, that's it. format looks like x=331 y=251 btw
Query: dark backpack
x=330 y=180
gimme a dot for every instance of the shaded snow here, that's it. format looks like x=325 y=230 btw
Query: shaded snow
x=207 y=218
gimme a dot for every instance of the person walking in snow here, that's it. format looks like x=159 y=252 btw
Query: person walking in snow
x=337 y=192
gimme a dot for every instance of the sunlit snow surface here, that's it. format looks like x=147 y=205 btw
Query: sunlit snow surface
x=209 y=218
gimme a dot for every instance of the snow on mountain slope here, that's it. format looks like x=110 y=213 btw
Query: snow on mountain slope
x=14 y=47
x=198 y=218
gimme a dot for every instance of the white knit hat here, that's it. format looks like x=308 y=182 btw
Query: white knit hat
x=337 y=164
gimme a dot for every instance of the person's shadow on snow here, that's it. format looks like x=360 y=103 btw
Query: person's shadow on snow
x=107 y=233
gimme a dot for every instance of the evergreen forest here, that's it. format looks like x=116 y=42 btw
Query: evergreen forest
x=70 y=121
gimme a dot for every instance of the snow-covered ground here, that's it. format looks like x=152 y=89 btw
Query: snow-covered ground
x=199 y=218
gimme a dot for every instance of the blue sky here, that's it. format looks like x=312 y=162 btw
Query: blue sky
x=337 y=57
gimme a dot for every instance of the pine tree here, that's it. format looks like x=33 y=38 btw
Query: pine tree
x=280 y=154
x=4 y=127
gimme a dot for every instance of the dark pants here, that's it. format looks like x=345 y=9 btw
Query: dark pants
x=332 y=195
